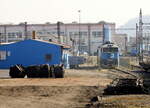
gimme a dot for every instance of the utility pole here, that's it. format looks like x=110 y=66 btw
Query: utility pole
x=79 y=47
x=147 y=39
x=103 y=32
x=25 y=30
x=141 y=36
x=58 y=31
x=5 y=33
x=0 y=38
x=66 y=35
x=89 y=38
x=126 y=45
x=137 y=42
x=73 y=46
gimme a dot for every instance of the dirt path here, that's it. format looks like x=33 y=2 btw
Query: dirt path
x=73 y=91
x=46 y=96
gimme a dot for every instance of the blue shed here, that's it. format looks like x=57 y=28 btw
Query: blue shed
x=30 y=52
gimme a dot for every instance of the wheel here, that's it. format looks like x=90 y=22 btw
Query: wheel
x=33 y=71
x=17 y=71
x=59 y=72
x=44 y=71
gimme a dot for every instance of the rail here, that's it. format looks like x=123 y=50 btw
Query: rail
x=127 y=71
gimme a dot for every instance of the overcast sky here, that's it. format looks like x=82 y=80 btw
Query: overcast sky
x=41 y=11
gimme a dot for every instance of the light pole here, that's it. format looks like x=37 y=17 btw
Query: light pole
x=79 y=47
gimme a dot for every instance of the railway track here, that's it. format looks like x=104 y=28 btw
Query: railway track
x=127 y=71
x=123 y=73
x=132 y=82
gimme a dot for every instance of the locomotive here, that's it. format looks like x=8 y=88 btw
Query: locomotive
x=108 y=55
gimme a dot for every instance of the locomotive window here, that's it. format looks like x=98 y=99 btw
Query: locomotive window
x=110 y=49
x=115 y=49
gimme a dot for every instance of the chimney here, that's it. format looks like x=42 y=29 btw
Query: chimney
x=33 y=35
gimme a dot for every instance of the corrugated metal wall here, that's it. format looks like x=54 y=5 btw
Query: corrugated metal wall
x=30 y=52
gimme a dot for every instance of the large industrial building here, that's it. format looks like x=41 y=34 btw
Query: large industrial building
x=85 y=37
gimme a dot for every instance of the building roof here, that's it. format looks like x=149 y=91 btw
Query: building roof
x=53 y=24
x=55 y=43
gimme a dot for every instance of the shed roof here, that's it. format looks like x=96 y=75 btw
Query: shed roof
x=64 y=46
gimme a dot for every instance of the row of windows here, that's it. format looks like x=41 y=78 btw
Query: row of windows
x=82 y=42
x=12 y=35
x=49 y=33
x=77 y=33
x=71 y=34
x=94 y=33
x=20 y=34
x=15 y=35
x=97 y=34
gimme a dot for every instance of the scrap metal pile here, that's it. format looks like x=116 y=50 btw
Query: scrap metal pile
x=128 y=86
x=145 y=65
x=124 y=86
x=138 y=85
x=36 y=71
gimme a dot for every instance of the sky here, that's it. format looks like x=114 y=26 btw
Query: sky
x=41 y=11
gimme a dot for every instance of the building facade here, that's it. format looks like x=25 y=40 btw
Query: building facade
x=83 y=37
x=121 y=41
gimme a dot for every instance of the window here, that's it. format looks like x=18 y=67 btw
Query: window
x=54 y=32
x=97 y=33
x=40 y=33
x=15 y=34
x=8 y=53
x=48 y=32
x=84 y=48
x=71 y=34
x=29 y=33
x=11 y=35
x=82 y=41
x=19 y=34
x=76 y=33
x=2 y=55
x=62 y=33
x=110 y=49
x=84 y=33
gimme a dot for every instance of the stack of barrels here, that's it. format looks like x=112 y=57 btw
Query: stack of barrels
x=37 y=71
